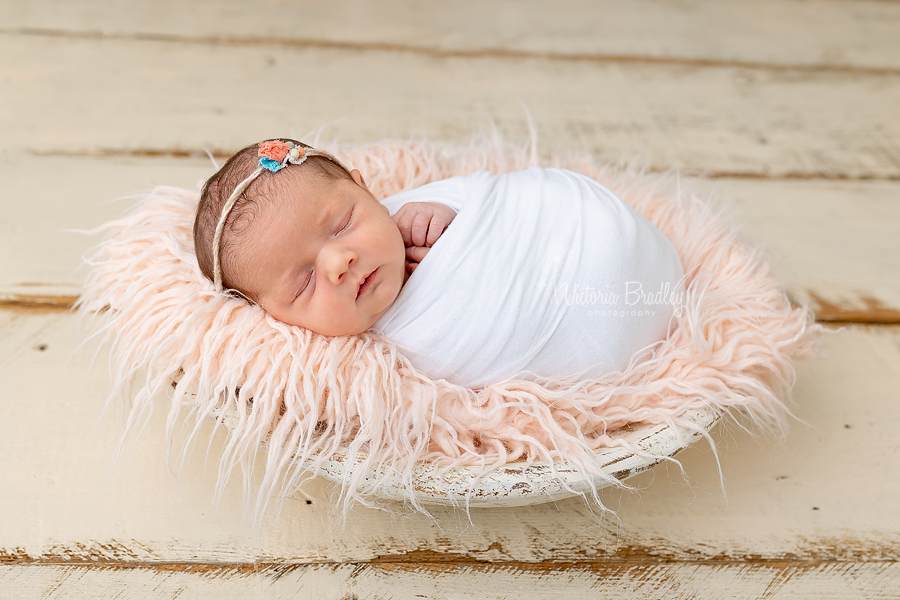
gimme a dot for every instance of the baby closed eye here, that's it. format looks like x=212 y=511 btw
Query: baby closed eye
x=347 y=221
x=307 y=279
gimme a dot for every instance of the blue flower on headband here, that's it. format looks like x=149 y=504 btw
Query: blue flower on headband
x=272 y=165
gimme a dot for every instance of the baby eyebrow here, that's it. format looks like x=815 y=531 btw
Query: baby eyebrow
x=333 y=215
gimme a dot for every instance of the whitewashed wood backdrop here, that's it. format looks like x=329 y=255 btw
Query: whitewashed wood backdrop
x=790 y=108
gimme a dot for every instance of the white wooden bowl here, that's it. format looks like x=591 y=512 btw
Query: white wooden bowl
x=521 y=484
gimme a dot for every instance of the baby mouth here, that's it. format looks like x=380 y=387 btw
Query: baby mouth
x=366 y=283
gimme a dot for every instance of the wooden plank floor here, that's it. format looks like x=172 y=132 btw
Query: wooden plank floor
x=790 y=108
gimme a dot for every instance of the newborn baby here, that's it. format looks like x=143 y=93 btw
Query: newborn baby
x=543 y=272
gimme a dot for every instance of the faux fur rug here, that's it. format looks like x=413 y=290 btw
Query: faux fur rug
x=306 y=395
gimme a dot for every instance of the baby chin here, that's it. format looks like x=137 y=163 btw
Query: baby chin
x=380 y=291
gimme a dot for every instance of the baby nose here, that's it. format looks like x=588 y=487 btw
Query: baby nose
x=339 y=262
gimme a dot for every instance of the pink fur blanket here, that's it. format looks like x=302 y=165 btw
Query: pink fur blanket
x=308 y=397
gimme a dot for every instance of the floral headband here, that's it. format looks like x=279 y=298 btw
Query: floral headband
x=274 y=155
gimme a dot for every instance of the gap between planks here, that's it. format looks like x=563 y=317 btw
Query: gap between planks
x=827 y=313
x=438 y=562
x=477 y=53
x=181 y=153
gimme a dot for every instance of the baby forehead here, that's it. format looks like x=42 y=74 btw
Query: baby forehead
x=297 y=205
x=299 y=190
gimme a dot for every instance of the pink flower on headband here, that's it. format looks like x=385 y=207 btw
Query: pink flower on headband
x=274 y=150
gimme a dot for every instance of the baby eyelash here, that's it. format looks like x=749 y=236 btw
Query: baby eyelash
x=349 y=220
x=306 y=285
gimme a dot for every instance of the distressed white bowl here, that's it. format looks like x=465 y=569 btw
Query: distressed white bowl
x=522 y=484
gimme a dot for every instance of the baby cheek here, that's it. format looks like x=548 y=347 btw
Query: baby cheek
x=397 y=237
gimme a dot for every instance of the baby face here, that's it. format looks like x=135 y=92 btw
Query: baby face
x=325 y=256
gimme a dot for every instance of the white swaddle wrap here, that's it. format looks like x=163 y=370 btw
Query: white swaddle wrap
x=542 y=272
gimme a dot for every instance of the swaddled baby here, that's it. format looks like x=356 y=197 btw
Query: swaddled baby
x=476 y=279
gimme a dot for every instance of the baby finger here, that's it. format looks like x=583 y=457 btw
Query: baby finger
x=419 y=229
x=416 y=253
x=403 y=219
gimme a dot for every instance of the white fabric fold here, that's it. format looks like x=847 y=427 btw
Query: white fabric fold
x=543 y=273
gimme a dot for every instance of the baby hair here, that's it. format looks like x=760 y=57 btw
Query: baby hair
x=217 y=190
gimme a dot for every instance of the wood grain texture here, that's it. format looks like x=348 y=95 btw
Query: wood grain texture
x=818 y=581
x=40 y=242
x=834 y=244
x=784 y=501
x=822 y=35
x=173 y=98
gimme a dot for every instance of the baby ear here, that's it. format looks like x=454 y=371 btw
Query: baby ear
x=356 y=176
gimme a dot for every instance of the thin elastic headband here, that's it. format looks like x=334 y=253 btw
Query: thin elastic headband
x=273 y=155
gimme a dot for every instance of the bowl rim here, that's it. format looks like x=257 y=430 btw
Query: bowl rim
x=521 y=484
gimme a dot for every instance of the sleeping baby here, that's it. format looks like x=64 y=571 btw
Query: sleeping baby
x=541 y=273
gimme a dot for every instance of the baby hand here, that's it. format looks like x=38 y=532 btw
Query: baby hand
x=414 y=255
x=422 y=223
